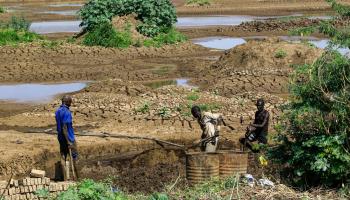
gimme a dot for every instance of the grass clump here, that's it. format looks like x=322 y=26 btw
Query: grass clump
x=143 y=109
x=171 y=37
x=198 y=2
x=13 y=37
x=2 y=9
x=106 y=36
x=280 y=54
x=16 y=23
x=89 y=190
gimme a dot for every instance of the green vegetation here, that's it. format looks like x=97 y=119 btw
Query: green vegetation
x=16 y=31
x=50 y=44
x=13 y=37
x=143 y=109
x=198 y=2
x=314 y=135
x=280 y=54
x=16 y=23
x=105 y=35
x=164 y=112
x=193 y=96
x=171 y=37
x=90 y=190
x=156 y=16
x=2 y=10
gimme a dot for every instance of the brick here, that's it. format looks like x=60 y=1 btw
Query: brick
x=18 y=190
x=37 y=173
x=3 y=184
x=21 y=188
x=39 y=182
x=16 y=183
x=26 y=189
x=30 y=188
x=11 y=191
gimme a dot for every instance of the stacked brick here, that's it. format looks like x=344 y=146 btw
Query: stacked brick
x=25 y=189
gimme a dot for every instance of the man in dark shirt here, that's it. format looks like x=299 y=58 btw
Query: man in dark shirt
x=259 y=129
x=65 y=131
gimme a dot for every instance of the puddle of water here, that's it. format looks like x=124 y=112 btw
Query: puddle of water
x=222 y=43
x=179 y=82
x=66 y=5
x=231 y=20
x=55 y=27
x=225 y=43
x=63 y=12
x=324 y=43
x=213 y=20
x=36 y=92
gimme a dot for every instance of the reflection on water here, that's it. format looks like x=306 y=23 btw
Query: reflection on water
x=231 y=42
x=36 y=92
x=179 y=82
x=55 y=27
x=61 y=12
x=222 y=43
x=66 y=5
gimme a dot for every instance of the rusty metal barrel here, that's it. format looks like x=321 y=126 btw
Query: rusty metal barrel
x=201 y=166
x=232 y=162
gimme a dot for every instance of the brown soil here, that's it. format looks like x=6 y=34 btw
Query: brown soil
x=255 y=66
x=115 y=99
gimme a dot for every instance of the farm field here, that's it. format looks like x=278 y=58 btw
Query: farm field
x=223 y=56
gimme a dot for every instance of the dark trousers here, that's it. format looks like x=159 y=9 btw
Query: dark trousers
x=64 y=150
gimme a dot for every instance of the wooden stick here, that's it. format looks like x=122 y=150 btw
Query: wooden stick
x=105 y=135
x=72 y=164
x=7 y=187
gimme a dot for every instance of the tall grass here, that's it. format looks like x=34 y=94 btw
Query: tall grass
x=171 y=37
x=11 y=37
x=16 y=23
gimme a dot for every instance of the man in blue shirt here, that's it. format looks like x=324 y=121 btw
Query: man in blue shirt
x=65 y=131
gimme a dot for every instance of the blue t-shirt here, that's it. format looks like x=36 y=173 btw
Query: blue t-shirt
x=64 y=116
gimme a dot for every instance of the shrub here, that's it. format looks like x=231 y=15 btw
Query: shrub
x=11 y=36
x=314 y=135
x=90 y=190
x=171 y=37
x=198 y=2
x=105 y=35
x=280 y=54
x=157 y=16
x=16 y=23
x=314 y=140
x=2 y=9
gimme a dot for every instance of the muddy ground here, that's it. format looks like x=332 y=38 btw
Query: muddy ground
x=120 y=100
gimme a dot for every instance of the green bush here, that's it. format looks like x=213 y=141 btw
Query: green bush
x=157 y=16
x=171 y=37
x=198 y=2
x=2 y=9
x=105 y=35
x=11 y=37
x=314 y=135
x=314 y=138
x=90 y=190
x=280 y=54
x=16 y=23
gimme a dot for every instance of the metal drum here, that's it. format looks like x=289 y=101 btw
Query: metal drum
x=201 y=166
x=232 y=163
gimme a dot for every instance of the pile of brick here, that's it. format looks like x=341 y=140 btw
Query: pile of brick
x=27 y=188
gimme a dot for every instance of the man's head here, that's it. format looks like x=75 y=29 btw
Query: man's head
x=196 y=112
x=67 y=100
x=260 y=103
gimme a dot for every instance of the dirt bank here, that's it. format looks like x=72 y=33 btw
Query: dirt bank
x=257 y=66
x=67 y=62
